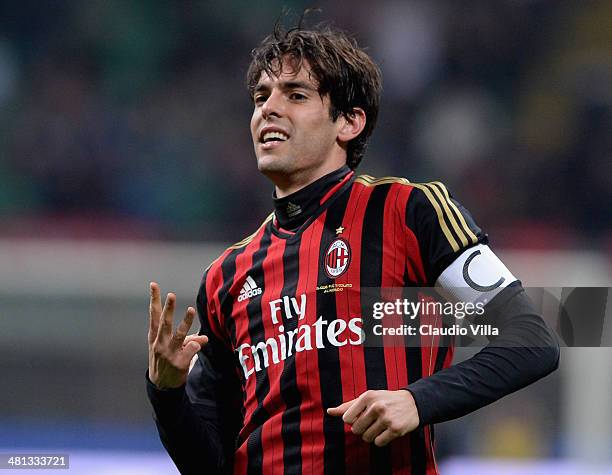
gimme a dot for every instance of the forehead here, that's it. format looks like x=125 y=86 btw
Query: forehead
x=288 y=70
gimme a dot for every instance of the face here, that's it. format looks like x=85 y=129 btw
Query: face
x=294 y=136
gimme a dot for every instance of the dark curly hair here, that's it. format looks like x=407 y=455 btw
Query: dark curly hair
x=342 y=69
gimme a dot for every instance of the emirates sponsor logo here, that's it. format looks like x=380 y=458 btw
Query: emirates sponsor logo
x=255 y=356
x=337 y=258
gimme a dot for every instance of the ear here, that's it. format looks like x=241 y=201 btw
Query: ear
x=351 y=125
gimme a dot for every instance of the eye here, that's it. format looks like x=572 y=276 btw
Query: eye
x=259 y=99
x=297 y=96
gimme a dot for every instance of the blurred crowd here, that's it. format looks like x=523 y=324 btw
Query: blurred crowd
x=130 y=119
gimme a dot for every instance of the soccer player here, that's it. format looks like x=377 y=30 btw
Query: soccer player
x=281 y=380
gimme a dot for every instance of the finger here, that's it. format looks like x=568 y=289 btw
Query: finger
x=364 y=421
x=154 y=310
x=188 y=352
x=181 y=330
x=385 y=437
x=353 y=412
x=201 y=339
x=373 y=431
x=165 y=325
x=341 y=409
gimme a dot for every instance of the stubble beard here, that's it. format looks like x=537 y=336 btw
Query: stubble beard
x=277 y=169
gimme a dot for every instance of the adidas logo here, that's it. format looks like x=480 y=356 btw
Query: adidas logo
x=249 y=289
x=293 y=209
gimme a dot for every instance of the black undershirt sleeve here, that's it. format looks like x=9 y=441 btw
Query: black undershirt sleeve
x=191 y=437
x=198 y=423
x=524 y=351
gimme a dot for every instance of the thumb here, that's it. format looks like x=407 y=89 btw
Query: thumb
x=339 y=410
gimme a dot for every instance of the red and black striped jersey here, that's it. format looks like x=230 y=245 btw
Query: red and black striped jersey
x=282 y=310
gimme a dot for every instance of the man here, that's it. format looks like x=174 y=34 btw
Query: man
x=282 y=380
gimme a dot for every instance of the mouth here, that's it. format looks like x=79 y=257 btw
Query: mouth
x=272 y=137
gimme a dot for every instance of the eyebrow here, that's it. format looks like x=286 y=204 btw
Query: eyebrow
x=286 y=85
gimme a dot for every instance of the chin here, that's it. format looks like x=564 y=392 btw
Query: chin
x=275 y=165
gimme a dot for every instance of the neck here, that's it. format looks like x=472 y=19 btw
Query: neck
x=285 y=186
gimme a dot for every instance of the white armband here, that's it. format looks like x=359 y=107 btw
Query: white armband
x=477 y=275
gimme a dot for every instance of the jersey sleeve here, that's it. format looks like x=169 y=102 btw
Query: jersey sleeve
x=525 y=351
x=198 y=423
x=443 y=228
x=455 y=256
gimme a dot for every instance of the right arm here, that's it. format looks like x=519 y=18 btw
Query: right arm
x=197 y=412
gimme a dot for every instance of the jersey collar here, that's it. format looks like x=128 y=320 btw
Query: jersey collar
x=293 y=210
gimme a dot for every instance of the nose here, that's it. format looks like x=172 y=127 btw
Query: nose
x=273 y=105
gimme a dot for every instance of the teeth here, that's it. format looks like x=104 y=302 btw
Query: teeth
x=274 y=135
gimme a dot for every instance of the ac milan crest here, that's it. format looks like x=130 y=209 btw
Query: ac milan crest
x=337 y=258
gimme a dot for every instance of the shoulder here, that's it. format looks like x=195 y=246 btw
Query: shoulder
x=434 y=193
x=430 y=192
x=213 y=276
x=235 y=248
x=247 y=240
x=414 y=199
x=432 y=206
x=429 y=208
x=393 y=191
x=431 y=198
x=370 y=181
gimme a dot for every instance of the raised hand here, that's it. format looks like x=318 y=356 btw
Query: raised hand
x=170 y=353
x=379 y=416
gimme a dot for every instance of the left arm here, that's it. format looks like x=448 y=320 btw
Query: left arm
x=524 y=351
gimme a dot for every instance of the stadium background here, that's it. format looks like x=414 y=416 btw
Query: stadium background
x=125 y=156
